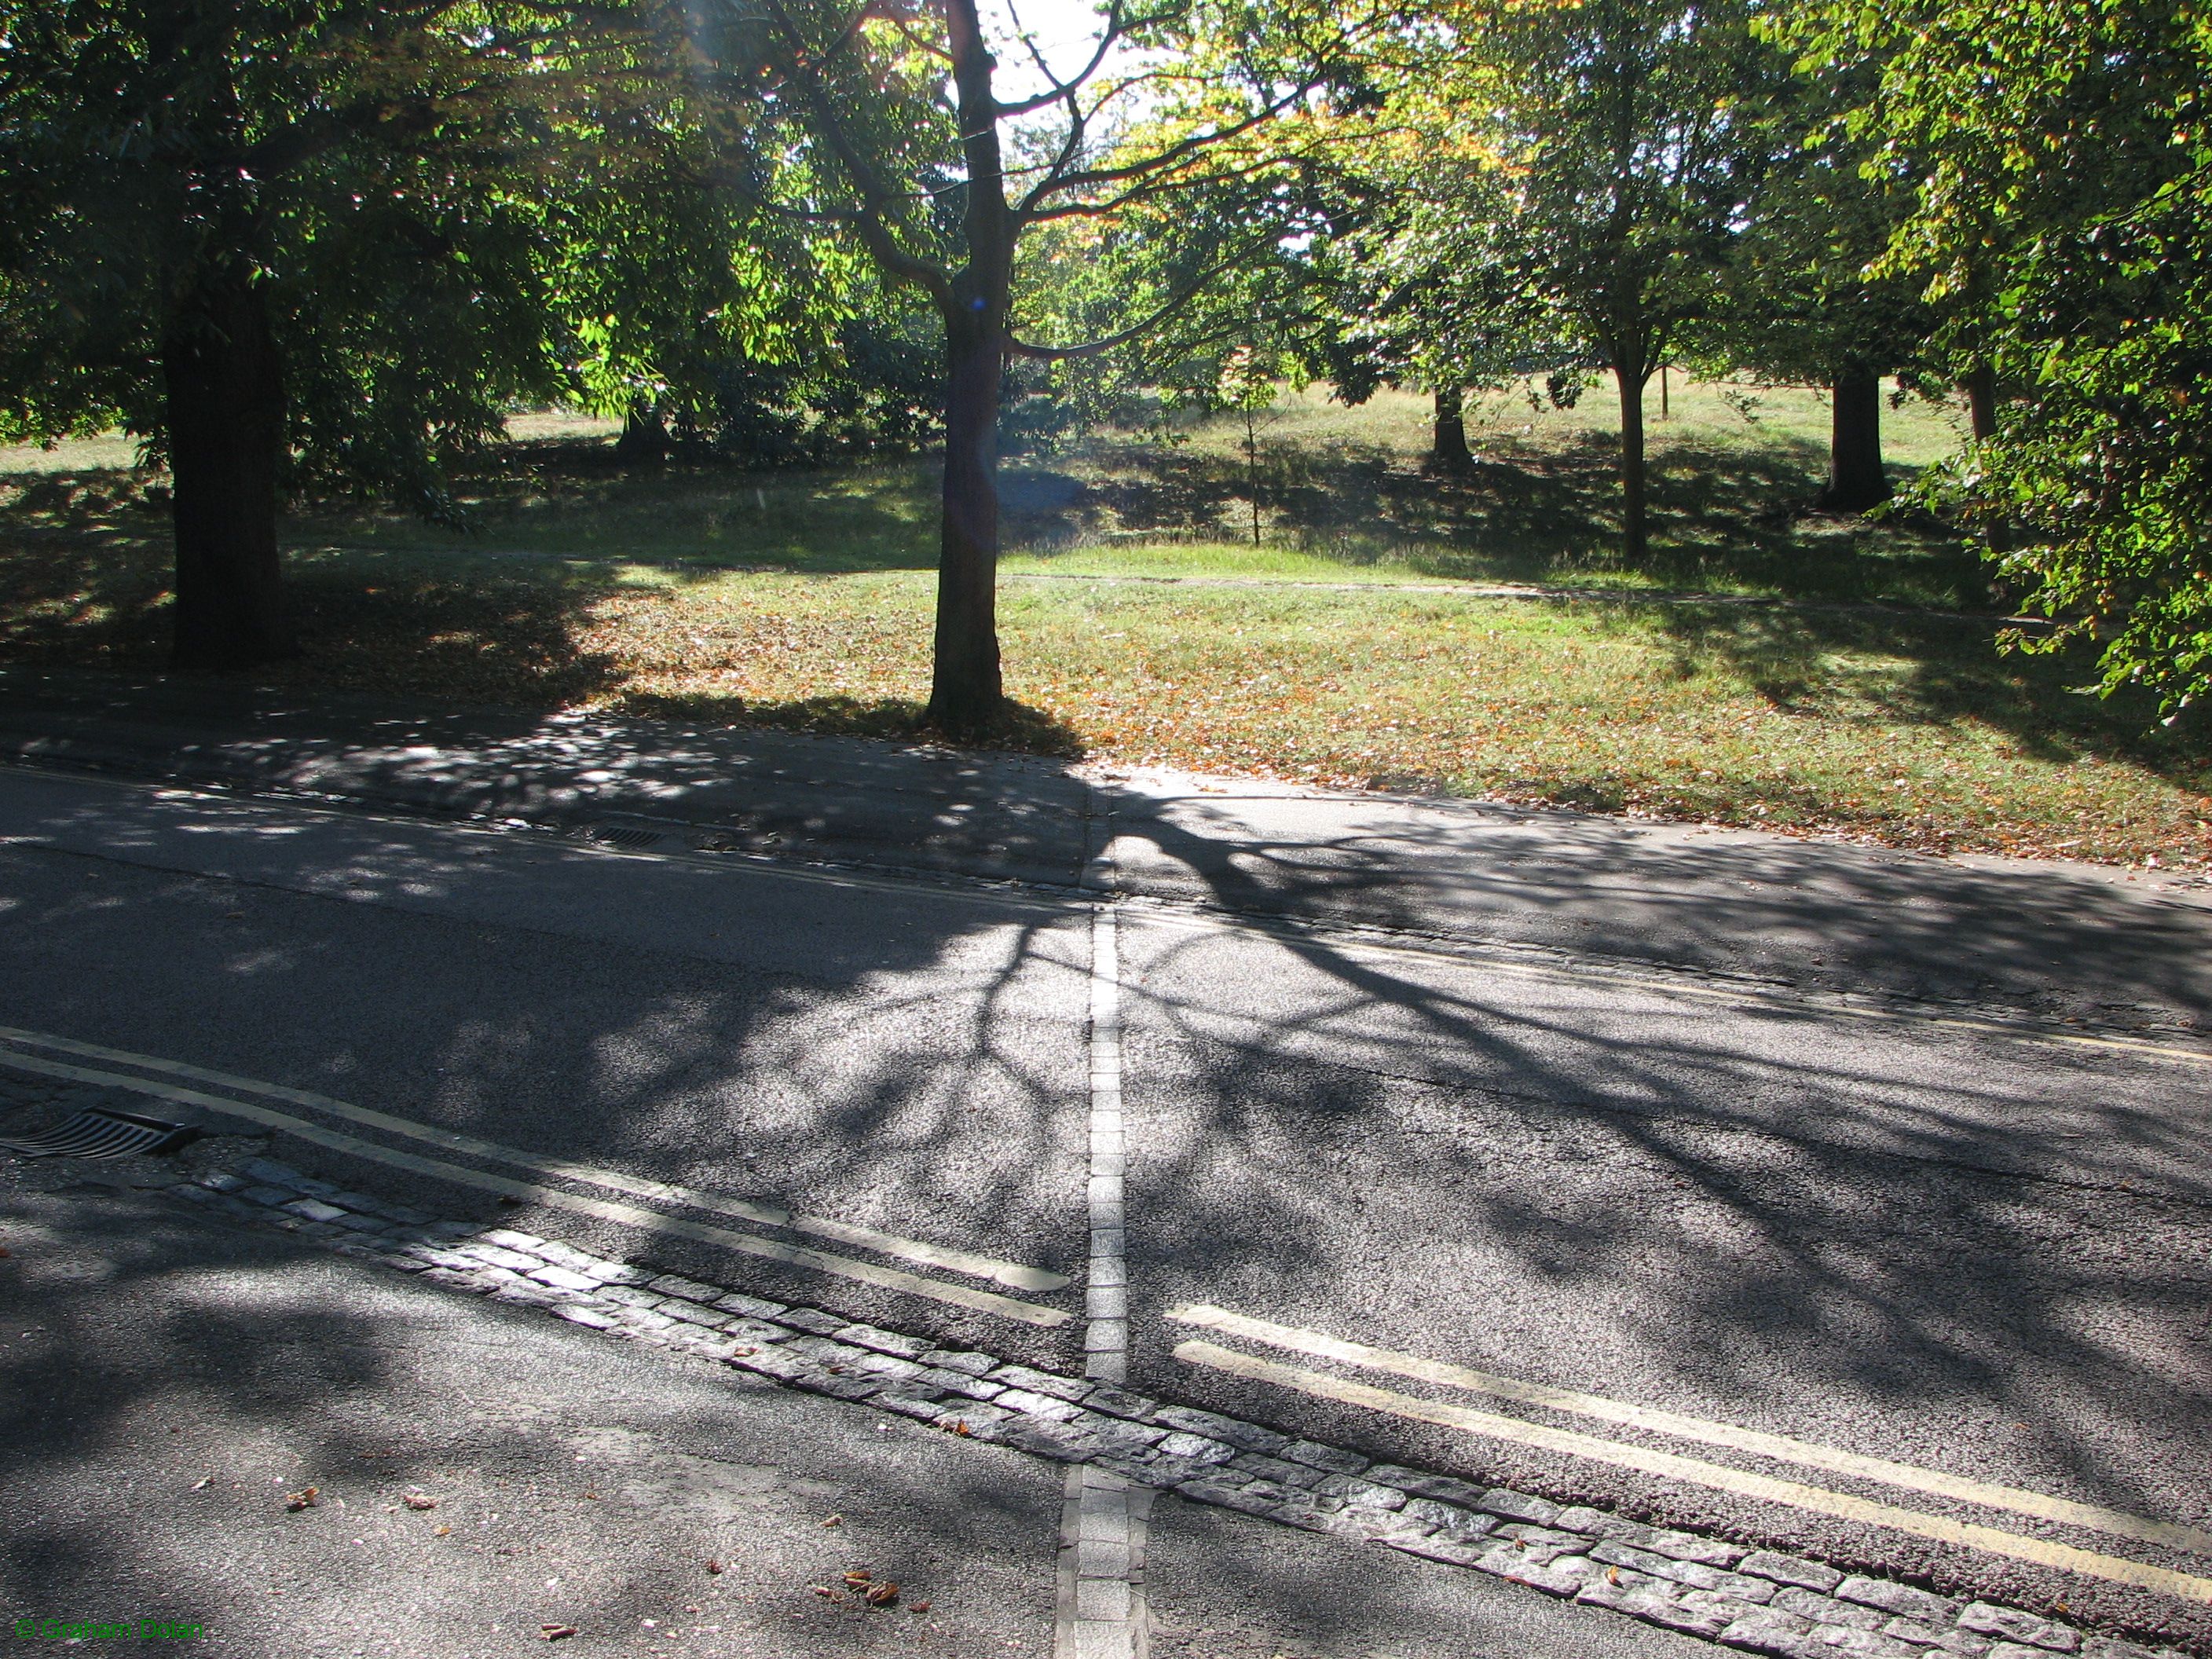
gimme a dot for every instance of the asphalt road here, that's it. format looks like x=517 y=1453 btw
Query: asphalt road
x=165 y=1384
x=1890 y=1230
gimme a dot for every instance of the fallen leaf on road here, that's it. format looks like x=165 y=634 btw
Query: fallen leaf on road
x=554 y=1632
x=735 y=1353
x=922 y=1606
x=714 y=1566
x=835 y=1521
x=1612 y=1575
x=305 y=1498
x=857 y=1578
x=419 y=1500
x=883 y=1594
x=440 y=1532
x=202 y=1483
x=824 y=1592
x=962 y=1429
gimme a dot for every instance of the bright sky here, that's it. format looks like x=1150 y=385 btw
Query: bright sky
x=1064 y=31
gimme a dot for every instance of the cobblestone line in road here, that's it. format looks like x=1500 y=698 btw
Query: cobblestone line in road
x=1101 y=1605
x=1756 y=1599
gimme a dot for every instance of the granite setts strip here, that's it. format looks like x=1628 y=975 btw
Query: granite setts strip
x=1758 y=1601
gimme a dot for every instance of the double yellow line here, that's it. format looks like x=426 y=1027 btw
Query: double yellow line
x=1698 y=1471
x=1013 y=1274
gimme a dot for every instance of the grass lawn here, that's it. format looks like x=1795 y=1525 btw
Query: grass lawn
x=1354 y=645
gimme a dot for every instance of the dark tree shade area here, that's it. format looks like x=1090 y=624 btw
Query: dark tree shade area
x=328 y=246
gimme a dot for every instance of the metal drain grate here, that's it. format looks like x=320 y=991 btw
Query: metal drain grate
x=99 y=1133
x=624 y=837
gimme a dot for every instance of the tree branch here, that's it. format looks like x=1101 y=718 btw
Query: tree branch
x=872 y=220
x=1137 y=330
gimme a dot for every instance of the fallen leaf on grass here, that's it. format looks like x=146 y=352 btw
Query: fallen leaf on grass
x=419 y=1500
x=306 y=1498
x=554 y=1632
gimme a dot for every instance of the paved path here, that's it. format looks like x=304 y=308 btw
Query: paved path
x=169 y=1383
x=1395 y=1114
x=2065 y=942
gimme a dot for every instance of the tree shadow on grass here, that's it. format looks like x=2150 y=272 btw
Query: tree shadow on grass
x=477 y=636
x=84 y=582
x=1728 y=516
x=1923 y=669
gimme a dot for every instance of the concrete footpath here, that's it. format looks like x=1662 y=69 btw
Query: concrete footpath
x=209 y=1428
x=2065 y=942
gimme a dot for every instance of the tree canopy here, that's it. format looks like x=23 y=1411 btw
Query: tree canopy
x=324 y=244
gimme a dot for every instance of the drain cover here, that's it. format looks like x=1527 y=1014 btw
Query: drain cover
x=624 y=837
x=99 y=1133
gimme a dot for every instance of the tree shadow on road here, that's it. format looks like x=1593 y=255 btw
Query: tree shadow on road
x=184 y=1377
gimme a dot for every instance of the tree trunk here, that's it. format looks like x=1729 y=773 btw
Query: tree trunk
x=1854 y=475
x=644 y=441
x=965 y=688
x=1982 y=401
x=1635 y=537
x=225 y=388
x=1449 y=451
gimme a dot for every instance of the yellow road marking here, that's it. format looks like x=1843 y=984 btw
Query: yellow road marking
x=2042 y=1551
x=796 y=1256
x=1933 y=1482
x=1012 y=1274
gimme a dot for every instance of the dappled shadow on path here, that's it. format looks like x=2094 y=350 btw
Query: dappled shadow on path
x=1744 y=1205
x=1768 y=1211
x=574 y=1479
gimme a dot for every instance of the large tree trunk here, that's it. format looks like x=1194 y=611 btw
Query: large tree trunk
x=644 y=441
x=1982 y=401
x=226 y=424
x=965 y=692
x=1856 y=482
x=964 y=688
x=1635 y=536
x=1449 y=453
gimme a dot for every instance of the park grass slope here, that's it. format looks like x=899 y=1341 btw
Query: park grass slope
x=1777 y=671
